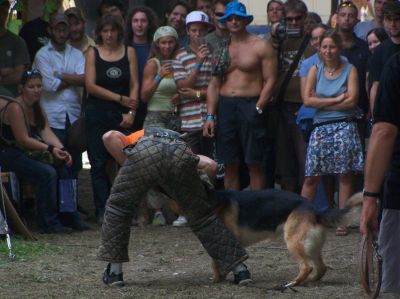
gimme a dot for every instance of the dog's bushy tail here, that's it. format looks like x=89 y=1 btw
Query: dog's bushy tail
x=345 y=217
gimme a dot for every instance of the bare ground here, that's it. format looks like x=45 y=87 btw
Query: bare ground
x=168 y=262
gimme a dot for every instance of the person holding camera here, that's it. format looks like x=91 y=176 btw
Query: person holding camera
x=243 y=78
x=292 y=44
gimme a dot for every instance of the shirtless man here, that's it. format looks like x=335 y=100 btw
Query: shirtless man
x=241 y=90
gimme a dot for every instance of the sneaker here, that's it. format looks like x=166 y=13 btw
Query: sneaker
x=242 y=278
x=158 y=219
x=180 y=221
x=112 y=279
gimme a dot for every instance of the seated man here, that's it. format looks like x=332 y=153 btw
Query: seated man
x=162 y=159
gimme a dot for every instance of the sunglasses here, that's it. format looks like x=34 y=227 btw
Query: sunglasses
x=291 y=19
x=347 y=4
x=219 y=14
x=32 y=72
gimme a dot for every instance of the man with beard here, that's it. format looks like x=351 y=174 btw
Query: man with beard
x=77 y=37
x=62 y=68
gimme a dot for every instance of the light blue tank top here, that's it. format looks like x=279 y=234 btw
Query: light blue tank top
x=329 y=88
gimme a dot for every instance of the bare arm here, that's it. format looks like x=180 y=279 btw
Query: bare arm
x=310 y=99
x=149 y=84
x=212 y=101
x=269 y=71
x=380 y=149
x=15 y=117
x=372 y=95
x=133 y=69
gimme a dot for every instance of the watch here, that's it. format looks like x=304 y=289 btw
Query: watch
x=132 y=112
x=259 y=110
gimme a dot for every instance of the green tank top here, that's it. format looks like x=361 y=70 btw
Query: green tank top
x=161 y=99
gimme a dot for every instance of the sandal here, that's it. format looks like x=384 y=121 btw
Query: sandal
x=341 y=231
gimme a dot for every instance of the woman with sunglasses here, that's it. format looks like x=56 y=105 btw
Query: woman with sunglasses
x=22 y=120
x=335 y=146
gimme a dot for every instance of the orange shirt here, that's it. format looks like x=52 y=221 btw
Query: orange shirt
x=133 y=138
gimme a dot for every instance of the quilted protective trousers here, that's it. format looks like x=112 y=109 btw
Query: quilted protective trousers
x=167 y=162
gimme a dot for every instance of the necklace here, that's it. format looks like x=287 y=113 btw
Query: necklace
x=331 y=71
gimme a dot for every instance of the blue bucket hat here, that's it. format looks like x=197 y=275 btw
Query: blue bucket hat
x=238 y=9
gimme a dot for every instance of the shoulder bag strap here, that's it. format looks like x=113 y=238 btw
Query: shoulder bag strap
x=292 y=68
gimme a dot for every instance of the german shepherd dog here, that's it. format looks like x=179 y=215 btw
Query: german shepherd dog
x=254 y=216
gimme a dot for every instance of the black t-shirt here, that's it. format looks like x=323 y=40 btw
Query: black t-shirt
x=387 y=109
x=35 y=35
x=358 y=56
x=381 y=55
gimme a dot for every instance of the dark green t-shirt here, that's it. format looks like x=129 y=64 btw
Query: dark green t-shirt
x=13 y=52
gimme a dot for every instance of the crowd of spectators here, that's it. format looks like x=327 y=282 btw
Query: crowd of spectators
x=198 y=70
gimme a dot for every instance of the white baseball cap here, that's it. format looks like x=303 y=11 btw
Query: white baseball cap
x=198 y=17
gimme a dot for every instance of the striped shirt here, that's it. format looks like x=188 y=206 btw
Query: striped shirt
x=192 y=111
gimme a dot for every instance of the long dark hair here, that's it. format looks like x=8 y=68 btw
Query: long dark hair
x=115 y=22
x=38 y=114
x=171 y=6
x=379 y=32
x=151 y=17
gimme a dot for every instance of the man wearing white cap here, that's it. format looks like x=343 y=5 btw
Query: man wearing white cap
x=241 y=86
x=192 y=73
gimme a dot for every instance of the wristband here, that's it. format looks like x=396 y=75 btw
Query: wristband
x=198 y=94
x=157 y=78
x=210 y=117
x=50 y=148
x=59 y=76
x=121 y=97
x=370 y=194
x=197 y=65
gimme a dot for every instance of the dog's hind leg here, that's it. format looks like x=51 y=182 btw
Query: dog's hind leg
x=319 y=269
x=313 y=244
x=296 y=231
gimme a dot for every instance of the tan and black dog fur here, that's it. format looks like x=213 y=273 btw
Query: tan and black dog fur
x=254 y=216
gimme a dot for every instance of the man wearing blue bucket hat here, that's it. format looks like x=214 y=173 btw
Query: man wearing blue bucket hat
x=238 y=9
x=244 y=75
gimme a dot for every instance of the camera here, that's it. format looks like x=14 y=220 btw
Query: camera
x=283 y=32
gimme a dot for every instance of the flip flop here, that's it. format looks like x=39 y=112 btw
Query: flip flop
x=341 y=231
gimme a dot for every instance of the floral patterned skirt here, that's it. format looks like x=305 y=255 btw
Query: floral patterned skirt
x=334 y=148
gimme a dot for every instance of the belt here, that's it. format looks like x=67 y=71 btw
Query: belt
x=162 y=133
x=334 y=121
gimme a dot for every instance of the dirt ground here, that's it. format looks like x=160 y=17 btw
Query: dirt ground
x=169 y=262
